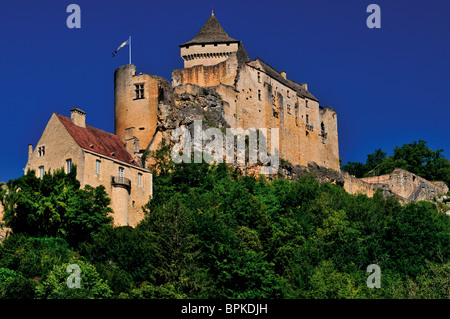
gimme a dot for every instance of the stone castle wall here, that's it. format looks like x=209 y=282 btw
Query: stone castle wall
x=207 y=75
x=408 y=185
x=253 y=99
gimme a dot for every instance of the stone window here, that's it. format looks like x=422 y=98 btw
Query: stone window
x=323 y=133
x=289 y=108
x=68 y=165
x=259 y=77
x=139 y=179
x=41 y=151
x=306 y=103
x=307 y=119
x=97 y=166
x=288 y=93
x=259 y=95
x=41 y=172
x=139 y=90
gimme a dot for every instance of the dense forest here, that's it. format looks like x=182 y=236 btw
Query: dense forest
x=212 y=233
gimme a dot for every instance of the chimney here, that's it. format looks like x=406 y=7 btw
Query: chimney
x=131 y=141
x=129 y=133
x=78 y=117
x=30 y=151
x=305 y=86
x=283 y=74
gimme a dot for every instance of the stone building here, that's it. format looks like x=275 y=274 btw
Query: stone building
x=101 y=159
x=254 y=95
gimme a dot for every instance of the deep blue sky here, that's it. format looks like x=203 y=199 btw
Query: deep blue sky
x=390 y=86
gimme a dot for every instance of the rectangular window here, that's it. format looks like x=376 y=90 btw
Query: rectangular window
x=139 y=90
x=259 y=77
x=41 y=171
x=259 y=95
x=68 y=165
x=97 y=167
x=41 y=151
x=307 y=119
x=120 y=174
x=139 y=179
x=306 y=102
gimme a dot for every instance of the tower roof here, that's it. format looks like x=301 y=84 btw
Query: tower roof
x=211 y=32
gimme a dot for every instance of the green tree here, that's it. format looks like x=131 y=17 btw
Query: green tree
x=175 y=247
x=328 y=283
x=54 y=286
x=419 y=159
x=55 y=206
x=33 y=257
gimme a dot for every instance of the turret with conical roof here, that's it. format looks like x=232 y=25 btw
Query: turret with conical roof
x=210 y=46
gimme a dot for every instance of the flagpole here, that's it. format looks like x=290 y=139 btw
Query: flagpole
x=130 y=50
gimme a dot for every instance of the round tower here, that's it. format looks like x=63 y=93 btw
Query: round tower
x=135 y=104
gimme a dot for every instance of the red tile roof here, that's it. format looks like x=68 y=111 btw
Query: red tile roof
x=98 y=141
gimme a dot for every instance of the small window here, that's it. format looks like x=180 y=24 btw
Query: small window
x=68 y=165
x=120 y=174
x=259 y=95
x=202 y=46
x=41 y=172
x=259 y=77
x=215 y=44
x=139 y=179
x=306 y=103
x=139 y=90
x=228 y=44
x=97 y=167
x=307 y=119
x=41 y=151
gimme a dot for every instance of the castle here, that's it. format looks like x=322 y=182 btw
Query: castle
x=252 y=95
